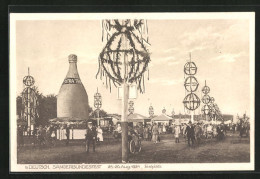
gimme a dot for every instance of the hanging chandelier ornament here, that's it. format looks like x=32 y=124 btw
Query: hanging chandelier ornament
x=126 y=43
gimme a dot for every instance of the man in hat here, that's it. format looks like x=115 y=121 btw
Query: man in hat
x=90 y=136
x=190 y=133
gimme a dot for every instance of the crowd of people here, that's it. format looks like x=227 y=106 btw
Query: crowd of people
x=190 y=133
x=47 y=135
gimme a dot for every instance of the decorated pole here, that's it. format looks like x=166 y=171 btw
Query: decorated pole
x=191 y=101
x=123 y=61
x=206 y=109
x=30 y=103
x=98 y=104
x=151 y=111
x=131 y=107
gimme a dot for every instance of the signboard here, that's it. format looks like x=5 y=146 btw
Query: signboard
x=132 y=92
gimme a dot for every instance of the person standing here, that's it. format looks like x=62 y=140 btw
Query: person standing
x=20 y=136
x=90 y=136
x=190 y=133
x=164 y=129
x=146 y=131
x=177 y=133
x=155 y=132
x=99 y=134
x=67 y=135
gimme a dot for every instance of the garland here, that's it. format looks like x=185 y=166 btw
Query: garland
x=132 y=49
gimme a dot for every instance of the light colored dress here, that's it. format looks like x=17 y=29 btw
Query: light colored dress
x=155 y=132
x=177 y=131
x=100 y=134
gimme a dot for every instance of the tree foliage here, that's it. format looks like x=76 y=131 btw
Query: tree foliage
x=47 y=108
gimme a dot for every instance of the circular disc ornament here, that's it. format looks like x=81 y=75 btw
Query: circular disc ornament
x=164 y=111
x=190 y=68
x=98 y=104
x=131 y=110
x=205 y=90
x=191 y=84
x=191 y=101
x=173 y=112
x=151 y=111
x=131 y=103
x=212 y=100
x=206 y=109
x=28 y=80
x=206 y=99
x=97 y=96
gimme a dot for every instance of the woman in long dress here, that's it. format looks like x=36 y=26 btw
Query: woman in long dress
x=146 y=133
x=99 y=134
x=155 y=132
x=177 y=131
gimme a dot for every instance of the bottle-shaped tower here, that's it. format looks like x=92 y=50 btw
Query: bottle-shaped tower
x=72 y=101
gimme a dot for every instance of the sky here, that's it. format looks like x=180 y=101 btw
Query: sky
x=220 y=49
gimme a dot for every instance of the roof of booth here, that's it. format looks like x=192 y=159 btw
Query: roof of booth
x=162 y=117
x=135 y=117
x=65 y=119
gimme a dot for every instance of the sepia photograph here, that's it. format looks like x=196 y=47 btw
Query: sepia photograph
x=132 y=92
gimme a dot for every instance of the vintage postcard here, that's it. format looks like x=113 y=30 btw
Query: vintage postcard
x=92 y=92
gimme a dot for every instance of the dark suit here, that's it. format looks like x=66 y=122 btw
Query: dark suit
x=190 y=134
x=91 y=138
x=67 y=135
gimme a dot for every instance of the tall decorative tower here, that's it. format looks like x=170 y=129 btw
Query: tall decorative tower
x=72 y=101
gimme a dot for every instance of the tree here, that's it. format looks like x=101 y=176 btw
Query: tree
x=47 y=109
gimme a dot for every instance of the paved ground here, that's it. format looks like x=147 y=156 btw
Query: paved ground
x=232 y=149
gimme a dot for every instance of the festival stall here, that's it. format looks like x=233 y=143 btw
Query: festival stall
x=77 y=127
x=137 y=118
x=162 y=119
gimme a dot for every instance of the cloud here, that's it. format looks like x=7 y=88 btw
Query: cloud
x=228 y=57
x=169 y=60
x=165 y=82
x=170 y=50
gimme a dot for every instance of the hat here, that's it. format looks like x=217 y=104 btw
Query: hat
x=190 y=122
